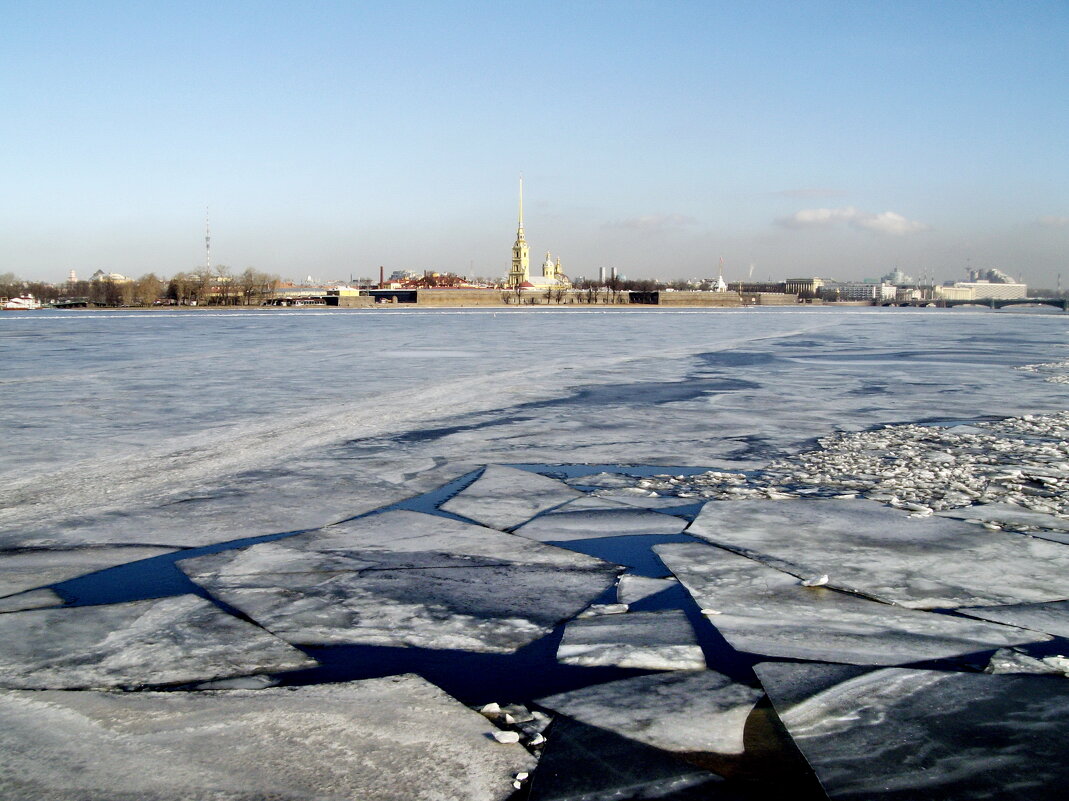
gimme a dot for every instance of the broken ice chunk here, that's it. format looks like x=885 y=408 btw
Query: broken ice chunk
x=603 y=609
x=163 y=641
x=632 y=589
x=406 y=736
x=613 y=480
x=898 y=733
x=646 y=499
x=576 y=521
x=879 y=552
x=589 y=763
x=648 y=640
x=682 y=711
x=1010 y=660
x=503 y=497
x=765 y=611
x=406 y=579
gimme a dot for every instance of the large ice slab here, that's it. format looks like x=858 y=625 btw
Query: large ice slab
x=406 y=579
x=918 y=734
x=762 y=610
x=865 y=547
x=683 y=711
x=588 y=763
x=593 y=518
x=503 y=497
x=647 y=640
x=391 y=739
x=1050 y=618
x=29 y=569
x=164 y=641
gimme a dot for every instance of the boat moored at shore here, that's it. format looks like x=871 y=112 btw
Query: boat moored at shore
x=21 y=303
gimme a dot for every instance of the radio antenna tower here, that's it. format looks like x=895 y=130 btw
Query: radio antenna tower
x=207 y=240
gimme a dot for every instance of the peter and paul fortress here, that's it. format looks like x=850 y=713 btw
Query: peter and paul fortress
x=520 y=273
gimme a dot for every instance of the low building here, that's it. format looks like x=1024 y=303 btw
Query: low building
x=750 y=287
x=985 y=290
x=950 y=292
x=684 y=298
x=858 y=290
x=807 y=287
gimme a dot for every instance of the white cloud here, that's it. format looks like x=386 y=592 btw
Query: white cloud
x=886 y=222
x=655 y=222
x=1052 y=221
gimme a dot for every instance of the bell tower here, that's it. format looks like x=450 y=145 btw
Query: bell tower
x=521 y=263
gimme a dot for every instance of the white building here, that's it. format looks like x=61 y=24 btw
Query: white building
x=984 y=290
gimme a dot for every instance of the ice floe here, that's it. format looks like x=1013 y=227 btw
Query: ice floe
x=1010 y=660
x=503 y=497
x=392 y=739
x=631 y=589
x=406 y=579
x=173 y=640
x=588 y=763
x=647 y=640
x=590 y=518
x=603 y=479
x=761 y=610
x=644 y=499
x=900 y=733
x=877 y=551
x=685 y=711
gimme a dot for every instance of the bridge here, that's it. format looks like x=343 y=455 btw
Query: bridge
x=987 y=303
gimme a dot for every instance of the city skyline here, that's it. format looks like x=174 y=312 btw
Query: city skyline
x=828 y=138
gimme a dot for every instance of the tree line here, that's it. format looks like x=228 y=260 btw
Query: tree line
x=218 y=287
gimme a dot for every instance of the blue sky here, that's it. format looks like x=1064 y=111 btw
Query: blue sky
x=838 y=139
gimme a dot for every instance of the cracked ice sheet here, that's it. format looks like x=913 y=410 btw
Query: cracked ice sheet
x=305 y=493
x=406 y=579
x=646 y=640
x=30 y=569
x=765 y=611
x=919 y=734
x=883 y=553
x=503 y=497
x=226 y=475
x=392 y=739
x=165 y=641
x=1050 y=618
x=682 y=711
x=594 y=518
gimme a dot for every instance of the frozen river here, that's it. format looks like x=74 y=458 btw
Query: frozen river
x=426 y=458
